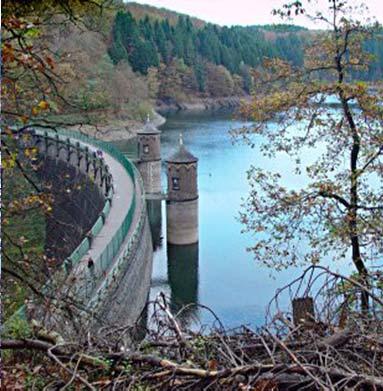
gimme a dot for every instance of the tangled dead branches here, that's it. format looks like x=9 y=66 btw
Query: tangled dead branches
x=330 y=348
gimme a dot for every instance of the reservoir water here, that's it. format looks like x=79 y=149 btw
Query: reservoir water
x=218 y=272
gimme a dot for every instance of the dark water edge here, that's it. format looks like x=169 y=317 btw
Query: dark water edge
x=199 y=105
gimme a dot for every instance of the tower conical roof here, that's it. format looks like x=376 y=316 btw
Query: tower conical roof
x=182 y=155
x=149 y=128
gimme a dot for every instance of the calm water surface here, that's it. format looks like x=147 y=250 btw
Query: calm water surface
x=218 y=272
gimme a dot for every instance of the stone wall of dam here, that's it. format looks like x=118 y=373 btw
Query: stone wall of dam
x=77 y=202
x=98 y=229
x=128 y=298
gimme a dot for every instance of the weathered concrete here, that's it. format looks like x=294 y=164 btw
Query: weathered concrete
x=151 y=176
x=182 y=222
x=128 y=298
x=116 y=289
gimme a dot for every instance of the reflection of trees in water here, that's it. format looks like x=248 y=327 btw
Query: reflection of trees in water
x=183 y=280
x=182 y=268
x=155 y=219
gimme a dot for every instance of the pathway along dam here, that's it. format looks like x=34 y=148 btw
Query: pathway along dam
x=98 y=232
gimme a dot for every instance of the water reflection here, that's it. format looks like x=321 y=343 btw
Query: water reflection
x=179 y=276
x=183 y=280
x=219 y=273
x=155 y=220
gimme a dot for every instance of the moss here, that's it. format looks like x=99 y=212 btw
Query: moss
x=17 y=328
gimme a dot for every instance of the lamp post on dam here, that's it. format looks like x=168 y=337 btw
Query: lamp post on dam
x=182 y=197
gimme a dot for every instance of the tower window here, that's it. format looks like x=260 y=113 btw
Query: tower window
x=146 y=148
x=176 y=183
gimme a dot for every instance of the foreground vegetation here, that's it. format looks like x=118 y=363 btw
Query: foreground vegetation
x=333 y=348
x=339 y=214
x=23 y=233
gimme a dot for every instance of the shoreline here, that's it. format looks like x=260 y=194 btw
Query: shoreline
x=124 y=130
x=119 y=130
x=201 y=104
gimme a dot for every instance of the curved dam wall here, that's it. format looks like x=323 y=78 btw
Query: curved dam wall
x=77 y=203
x=112 y=287
x=125 y=301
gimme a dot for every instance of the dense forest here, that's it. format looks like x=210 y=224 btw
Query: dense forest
x=145 y=43
x=210 y=60
x=136 y=57
x=202 y=55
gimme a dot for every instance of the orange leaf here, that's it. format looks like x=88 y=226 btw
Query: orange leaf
x=212 y=365
x=43 y=105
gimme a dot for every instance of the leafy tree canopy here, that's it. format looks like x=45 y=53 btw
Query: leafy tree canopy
x=339 y=214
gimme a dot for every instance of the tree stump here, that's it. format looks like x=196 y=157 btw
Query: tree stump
x=303 y=311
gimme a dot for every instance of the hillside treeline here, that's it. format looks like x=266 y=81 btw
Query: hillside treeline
x=206 y=53
x=194 y=59
x=136 y=58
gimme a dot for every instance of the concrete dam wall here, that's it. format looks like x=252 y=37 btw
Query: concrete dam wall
x=77 y=203
x=98 y=229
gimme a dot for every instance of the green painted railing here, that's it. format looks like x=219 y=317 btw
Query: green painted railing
x=109 y=281
x=113 y=247
x=106 y=258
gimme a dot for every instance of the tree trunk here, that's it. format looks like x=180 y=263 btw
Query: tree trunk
x=353 y=211
x=353 y=216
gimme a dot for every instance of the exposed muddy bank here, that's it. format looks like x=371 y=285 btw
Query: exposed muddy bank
x=201 y=104
x=119 y=129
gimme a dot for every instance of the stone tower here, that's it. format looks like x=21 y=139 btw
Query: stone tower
x=182 y=201
x=149 y=157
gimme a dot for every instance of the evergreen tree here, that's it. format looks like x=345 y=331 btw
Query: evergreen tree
x=199 y=71
x=160 y=40
x=143 y=56
x=246 y=77
x=117 y=51
x=146 y=42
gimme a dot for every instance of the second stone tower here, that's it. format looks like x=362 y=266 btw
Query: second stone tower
x=182 y=200
x=149 y=157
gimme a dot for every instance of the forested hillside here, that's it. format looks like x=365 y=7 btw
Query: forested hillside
x=137 y=57
x=208 y=60
x=187 y=57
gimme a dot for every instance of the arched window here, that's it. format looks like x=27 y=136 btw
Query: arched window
x=176 y=183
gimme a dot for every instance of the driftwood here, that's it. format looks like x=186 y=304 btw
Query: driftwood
x=296 y=373
x=303 y=310
x=283 y=355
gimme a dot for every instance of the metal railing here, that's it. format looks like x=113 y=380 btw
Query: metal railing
x=129 y=251
x=109 y=253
